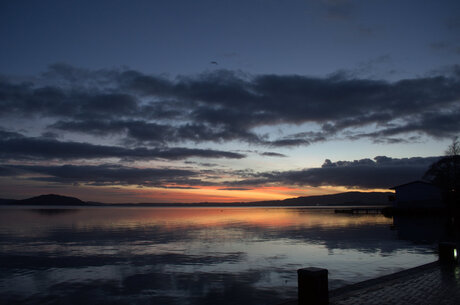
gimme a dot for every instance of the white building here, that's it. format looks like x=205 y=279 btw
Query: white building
x=417 y=194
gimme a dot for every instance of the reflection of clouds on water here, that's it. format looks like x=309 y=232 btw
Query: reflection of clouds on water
x=29 y=261
x=365 y=238
x=190 y=256
x=161 y=287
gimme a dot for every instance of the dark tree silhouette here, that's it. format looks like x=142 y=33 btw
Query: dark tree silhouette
x=445 y=173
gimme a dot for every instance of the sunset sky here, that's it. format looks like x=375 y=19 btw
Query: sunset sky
x=190 y=101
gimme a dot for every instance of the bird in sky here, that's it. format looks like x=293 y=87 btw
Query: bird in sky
x=214 y=63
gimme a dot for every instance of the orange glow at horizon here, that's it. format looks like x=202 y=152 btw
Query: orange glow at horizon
x=217 y=194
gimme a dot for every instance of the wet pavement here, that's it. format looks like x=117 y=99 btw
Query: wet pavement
x=428 y=284
x=425 y=285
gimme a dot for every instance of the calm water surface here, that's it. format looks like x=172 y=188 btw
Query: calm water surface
x=109 y=255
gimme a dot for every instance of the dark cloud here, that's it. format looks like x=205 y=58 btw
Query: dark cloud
x=176 y=187
x=154 y=133
x=288 y=142
x=107 y=175
x=435 y=124
x=51 y=135
x=16 y=146
x=273 y=154
x=181 y=153
x=381 y=172
x=228 y=106
x=301 y=138
x=28 y=100
x=204 y=164
x=235 y=189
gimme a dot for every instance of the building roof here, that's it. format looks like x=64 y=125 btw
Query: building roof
x=413 y=182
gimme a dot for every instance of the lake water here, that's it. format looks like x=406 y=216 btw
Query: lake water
x=116 y=255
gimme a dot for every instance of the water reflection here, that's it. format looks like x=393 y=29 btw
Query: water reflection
x=423 y=229
x=53 y=212
x=190 y=255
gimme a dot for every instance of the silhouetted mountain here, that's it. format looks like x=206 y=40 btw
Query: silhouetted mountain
x=7 y=201
x=51 y=199
x=348 y=198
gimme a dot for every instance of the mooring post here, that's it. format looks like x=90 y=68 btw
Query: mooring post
x=448 y=253
x=313 y=286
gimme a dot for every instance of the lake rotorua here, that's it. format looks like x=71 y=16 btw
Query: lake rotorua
x=121 y=255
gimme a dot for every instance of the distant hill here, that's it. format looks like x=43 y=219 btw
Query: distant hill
x=7 y=201
x=348 y=198
x=50 y=199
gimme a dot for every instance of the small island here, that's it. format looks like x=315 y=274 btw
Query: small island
x=49 y=199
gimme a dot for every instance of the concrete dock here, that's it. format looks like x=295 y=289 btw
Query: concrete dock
x=428 y=284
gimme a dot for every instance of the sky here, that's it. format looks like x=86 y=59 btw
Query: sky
x=223 y=101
